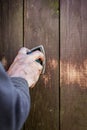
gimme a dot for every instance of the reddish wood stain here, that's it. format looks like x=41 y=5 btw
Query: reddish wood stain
x=72 y=73
x=46 y=78
x=51 y=66
x=53 y=63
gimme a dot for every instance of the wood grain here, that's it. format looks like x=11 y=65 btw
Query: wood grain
x=73 y=64
x=41 y=27
x=11 y=29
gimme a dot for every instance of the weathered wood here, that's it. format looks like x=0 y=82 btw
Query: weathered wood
x=11 y=29
x=73 y=64
x=41 y=27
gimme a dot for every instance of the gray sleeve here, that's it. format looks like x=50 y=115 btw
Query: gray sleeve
x=14 y=101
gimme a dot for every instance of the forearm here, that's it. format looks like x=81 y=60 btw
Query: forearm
x=22 y=100
x=14 y=101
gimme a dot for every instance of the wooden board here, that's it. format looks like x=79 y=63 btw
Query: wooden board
x=73 y=64
x=11 y=29
x=41 y=27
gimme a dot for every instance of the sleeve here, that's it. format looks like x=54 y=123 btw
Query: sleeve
x=14 y=101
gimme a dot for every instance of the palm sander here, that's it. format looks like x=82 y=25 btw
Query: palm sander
x=41 y=49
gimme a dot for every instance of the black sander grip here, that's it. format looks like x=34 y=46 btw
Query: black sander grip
x=41 y=49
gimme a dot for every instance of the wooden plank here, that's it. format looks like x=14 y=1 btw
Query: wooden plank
x=11 y=29
x=73 y=64
x=41 y=27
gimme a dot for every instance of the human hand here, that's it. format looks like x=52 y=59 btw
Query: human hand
x=25 y=66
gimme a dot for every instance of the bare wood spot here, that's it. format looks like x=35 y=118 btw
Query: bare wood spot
x=46 y=78
x=51 y=66
x=53 y=63
x=72 y=73
x=4 y=62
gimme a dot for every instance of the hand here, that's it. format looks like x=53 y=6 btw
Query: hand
x=26 y=67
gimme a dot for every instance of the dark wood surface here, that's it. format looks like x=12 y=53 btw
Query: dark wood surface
x=11 y=29
x=38 y=24
x=41 y=27
x=73 y=63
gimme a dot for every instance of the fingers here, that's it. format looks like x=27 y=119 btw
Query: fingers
x=22 y=57
x=38 y=66
x=31 y=57
x=23 y=50
x=26 y=66
x=21 y=54
x=35 y=56
x=36 y=70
